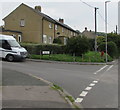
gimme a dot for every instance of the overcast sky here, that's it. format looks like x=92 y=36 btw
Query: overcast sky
x=75 y=13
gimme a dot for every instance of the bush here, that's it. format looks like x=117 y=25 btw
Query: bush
x=77 y=45
x=111 y=48
x=57 y=41
x=36 y=48
x=91 y=44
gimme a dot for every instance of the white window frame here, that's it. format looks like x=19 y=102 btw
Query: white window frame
x=56 y=27
x=62 y=29
x=45 y=39
x=65 y=40
x=19 y=38
x=50 y=40
x=22 y=22
x=74 y=34
x=50 y=25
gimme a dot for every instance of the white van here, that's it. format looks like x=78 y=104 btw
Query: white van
x=10 y=49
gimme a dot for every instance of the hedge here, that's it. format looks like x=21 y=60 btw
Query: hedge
x=36 y=48
x=111 y=48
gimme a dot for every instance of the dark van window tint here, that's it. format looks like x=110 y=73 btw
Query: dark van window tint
x=5 y=45
x=0 y=43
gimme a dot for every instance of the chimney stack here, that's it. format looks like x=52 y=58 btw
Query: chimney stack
x=38 y=8
x=85 y=28
x=61 y=20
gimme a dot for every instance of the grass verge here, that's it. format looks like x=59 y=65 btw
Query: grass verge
x=88 y=57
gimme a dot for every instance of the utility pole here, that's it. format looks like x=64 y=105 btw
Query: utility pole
x=106 y=29
x=96 y=29
x=116 y=29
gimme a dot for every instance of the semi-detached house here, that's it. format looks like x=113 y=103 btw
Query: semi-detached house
x=31 y=25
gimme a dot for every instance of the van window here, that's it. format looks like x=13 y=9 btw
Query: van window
x=5 y=45
x=0 y=43
x=13 y=43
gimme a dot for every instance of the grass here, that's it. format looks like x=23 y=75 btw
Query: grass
x=70 y=98
x=88 y=57
x=56 y=87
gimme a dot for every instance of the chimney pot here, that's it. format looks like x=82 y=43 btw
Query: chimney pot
x=86 y=28
x=61 y=20
x=38 y=8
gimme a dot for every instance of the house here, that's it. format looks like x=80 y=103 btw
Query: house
x=31 y=25
x=88 y=34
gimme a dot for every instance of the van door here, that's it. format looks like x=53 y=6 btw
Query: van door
x=5 y=48
x=0 y=48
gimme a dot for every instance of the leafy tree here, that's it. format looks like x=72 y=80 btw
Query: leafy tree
x=57 y=41
x=77 y=45
x=111 y=48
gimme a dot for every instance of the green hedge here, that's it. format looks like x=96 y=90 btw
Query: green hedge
x=36 y=48
x=111 y=47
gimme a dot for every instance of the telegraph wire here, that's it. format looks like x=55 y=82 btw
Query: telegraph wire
x=104 y=19
x=87 y=4
x=98 y=12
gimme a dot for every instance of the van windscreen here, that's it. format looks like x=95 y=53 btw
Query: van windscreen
x=13 y=43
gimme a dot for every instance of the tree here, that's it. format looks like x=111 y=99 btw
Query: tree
x=57 y=41
x=112 y=48
x=77 y=45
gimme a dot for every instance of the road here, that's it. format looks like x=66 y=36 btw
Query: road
x=93 y=86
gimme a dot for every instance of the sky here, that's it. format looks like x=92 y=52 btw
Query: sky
x=75 y=13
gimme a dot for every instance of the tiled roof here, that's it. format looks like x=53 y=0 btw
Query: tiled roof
x=51 y=19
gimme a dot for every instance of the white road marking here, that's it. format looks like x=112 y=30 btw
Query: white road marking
x=91 y=84
x=88 y=88
x=95 y=81
x=109 y=67
x=83 y=94
x=100 y=69
x=79 y=100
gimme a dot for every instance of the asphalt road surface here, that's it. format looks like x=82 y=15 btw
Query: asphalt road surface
x=93 y=86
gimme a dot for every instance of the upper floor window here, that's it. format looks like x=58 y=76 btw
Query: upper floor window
x=22 y=22
x=71 y=33
x=62 y=29
x=56 y=27
x=50 y=25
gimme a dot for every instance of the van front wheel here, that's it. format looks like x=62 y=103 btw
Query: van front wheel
x=10 y=58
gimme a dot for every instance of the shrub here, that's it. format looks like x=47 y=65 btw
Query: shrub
x=57 y=41
x=77 y=45
x=36 y=48
x=111 y=48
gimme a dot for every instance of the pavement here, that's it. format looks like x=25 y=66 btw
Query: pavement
x=20 y=90
x=75 y=63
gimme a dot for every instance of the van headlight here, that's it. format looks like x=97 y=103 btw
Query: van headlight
x=18 y=53
x=24 y=54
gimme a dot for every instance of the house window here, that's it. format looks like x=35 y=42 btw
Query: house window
x=71 y=33
x=50 y=40
x=74 y=34
x=62 y=29
x=65 y=40
x=22 y=22
x=44 y=39
x=19 y=38
x=50 y=25
x=56 y=27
